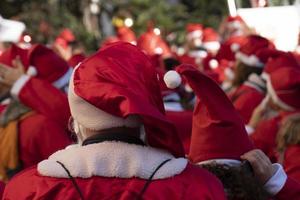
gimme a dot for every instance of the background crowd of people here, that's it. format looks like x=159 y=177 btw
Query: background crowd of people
x=216 y=118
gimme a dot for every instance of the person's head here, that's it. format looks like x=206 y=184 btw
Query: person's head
x=242 y=72
x=289 y=132
x=118 y=88
x=238 y=183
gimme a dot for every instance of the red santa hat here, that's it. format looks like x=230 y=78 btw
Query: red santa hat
x=194 y=31
x=65 y=37
x=248 y=53
x=109 y=40
x=283 y=86
x=211 y=39
x=117 y=87
x=218 y=131
x=278 y=60
x=10 y=30
x=152 y=44
x=125 y=34
x=49 y=66
x=11 y=53
x=234 y=21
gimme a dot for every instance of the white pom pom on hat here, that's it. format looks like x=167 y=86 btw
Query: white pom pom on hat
x=172 y=79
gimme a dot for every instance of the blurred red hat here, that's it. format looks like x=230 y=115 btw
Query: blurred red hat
x=152 y=44
x=109 y=40
x=279 y=60
x=248 y=53
x=211 y=39
x=65 y=37
x=283 y=86
x=235 y=21
x=129 y=95
x=49 y=66
x=125 y=34
x=218 y=130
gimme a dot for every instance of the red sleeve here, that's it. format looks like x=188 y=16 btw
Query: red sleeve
x=39 y=137
x=2 y=186
x=264 y=138
x=246 y=103
x=44 y=98
x=291 y=191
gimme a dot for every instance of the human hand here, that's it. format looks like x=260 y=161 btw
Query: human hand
x=261 y=164
x=10 y=74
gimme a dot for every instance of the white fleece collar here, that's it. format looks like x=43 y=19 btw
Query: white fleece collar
x=111 y=159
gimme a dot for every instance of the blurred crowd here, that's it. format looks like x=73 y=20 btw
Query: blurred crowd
x=215 y=118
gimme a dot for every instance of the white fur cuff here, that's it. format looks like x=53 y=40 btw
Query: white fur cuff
x=277 y=181
x=18 y=85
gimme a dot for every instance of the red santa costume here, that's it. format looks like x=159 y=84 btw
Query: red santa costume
x=125 y=34
x=117 y=168
x=283 y=88
x=218 y=133
x=35 y=128
x=2 y=186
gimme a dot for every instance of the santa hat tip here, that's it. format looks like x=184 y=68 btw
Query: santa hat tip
x=172 y=79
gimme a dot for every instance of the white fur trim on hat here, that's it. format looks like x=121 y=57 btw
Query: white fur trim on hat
x=31 y=71
x=230 y=162
x=10 y=30
x=213 y=64
x=276 y=99
x=252 y=60
x=194 y=34
x=213 y=46
x=64 y=80
x=112 y=159
x=92 y=117
x=235 y=47
x=172 y=79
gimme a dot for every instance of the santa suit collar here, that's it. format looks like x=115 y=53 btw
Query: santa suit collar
x=111 y=159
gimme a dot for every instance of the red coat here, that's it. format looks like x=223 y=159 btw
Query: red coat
x=183 y=122
x=2 y=186
x=245 y=99
x=45 y=131
x=129 y=161
x=291 y=191
x=265 y=134
x=291 y=162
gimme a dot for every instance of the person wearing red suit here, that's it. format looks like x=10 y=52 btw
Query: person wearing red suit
x=36 y=125
x=114 y=159
x=2 y=186
x=220 y=142
x=283 y=92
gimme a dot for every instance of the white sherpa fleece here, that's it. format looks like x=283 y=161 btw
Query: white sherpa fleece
x=111 y=159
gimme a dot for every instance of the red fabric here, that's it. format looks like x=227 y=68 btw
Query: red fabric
x=282 y=59
x=125 y=34
x=253 y=44
x=245 y=99
x=2 y=186
x=49 y=65
x=236 y=18
x=192 y=184
x=45 y=99
x=183 y=122
x=191 y=27
x=265 y=134
x=75 y=59
x=39 y=137
x=210 y=35
x=225 y=51
x=129 y=85
x=291 y=162
x=109 y=40
x=286 y=83
x=11 y=53
x=65 y=37
x=291 y=191
x=218 y=131
x=153 y=44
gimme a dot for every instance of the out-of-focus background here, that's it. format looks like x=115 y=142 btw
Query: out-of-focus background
x=93 y=20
